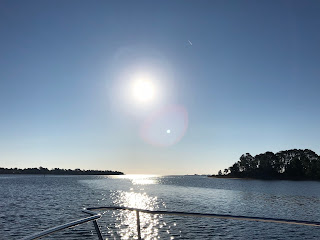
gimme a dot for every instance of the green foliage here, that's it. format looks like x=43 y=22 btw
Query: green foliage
x=290 y=164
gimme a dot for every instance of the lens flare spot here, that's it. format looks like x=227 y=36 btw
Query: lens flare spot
x=165 y=127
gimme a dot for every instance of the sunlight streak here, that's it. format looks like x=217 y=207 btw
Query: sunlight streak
x=127 y=219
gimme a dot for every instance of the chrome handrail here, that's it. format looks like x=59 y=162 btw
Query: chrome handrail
x=95 y=216
x=210 y=215
x=63 y=226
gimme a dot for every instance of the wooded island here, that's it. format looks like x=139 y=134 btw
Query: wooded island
x=57 y=171
x=294 y=164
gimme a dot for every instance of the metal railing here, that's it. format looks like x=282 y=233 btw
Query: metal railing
x=94 y=216
x=65 y=226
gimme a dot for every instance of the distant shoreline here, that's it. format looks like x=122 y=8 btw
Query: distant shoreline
x=267 y=179
x=56 y=171
x=60 y=174
x=227 y=177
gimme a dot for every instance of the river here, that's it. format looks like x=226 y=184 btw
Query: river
x=30 y=203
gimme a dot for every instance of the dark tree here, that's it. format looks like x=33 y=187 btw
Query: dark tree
x=57 y=171
x=289 y=164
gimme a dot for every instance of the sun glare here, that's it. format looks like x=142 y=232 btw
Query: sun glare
x=143 y=90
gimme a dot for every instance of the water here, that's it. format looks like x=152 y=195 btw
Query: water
x=32 y=203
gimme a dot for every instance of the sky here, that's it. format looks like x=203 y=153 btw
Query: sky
x=227 y=77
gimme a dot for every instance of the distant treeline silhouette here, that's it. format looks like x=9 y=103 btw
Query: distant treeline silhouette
x=57 y=171
x=294 y=164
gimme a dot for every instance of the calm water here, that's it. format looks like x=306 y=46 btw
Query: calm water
x=32 y=203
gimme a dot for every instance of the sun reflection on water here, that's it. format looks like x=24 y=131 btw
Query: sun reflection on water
x=135 y=191
x=127 y=221
x=141 y=179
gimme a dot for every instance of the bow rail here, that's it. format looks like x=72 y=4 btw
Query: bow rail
x=94 y=216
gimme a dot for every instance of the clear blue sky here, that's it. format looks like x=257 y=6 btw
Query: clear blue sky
x=248 y=83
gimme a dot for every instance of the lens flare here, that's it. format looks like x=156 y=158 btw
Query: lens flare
x=165 y=127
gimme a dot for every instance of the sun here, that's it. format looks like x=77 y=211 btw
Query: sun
x=143 y=90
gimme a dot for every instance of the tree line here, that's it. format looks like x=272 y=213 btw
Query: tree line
x=57 y=171
x=295 y=164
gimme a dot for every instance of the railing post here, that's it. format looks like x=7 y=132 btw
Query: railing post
x=96 y=226
x=138 y=225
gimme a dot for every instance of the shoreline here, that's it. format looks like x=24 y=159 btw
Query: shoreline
x=265 y=179
x=232 y=178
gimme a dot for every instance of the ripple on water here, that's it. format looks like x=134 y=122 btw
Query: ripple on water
x=32 y=203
